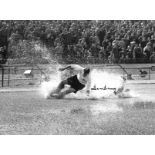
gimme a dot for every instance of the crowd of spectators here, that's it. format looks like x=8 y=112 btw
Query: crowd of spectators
x=125 y=41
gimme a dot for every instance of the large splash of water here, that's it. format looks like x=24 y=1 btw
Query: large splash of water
x=103 y=81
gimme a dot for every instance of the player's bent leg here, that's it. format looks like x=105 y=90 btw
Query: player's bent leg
x=67 y=91
x=55 y=92
x=61 y=86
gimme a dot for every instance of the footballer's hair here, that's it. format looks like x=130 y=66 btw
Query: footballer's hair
x=86 y=71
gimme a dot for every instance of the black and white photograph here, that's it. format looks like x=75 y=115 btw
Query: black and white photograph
x=77 y=77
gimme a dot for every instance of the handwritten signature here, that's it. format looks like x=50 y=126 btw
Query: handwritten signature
x=105 y=88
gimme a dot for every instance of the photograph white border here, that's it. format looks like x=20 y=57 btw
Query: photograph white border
x=77 y=10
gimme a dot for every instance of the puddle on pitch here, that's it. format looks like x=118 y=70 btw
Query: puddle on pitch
x=142 y=99
x=101 y=108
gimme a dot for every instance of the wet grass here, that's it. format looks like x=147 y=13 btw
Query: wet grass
x=28 y=113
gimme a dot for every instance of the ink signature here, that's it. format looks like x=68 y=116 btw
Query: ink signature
x=105 y=88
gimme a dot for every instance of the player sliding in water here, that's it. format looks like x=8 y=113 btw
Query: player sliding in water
x=77 y=82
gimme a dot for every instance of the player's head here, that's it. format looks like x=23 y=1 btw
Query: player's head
x=86 y=71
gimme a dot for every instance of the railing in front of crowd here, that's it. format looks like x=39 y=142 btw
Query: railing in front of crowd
x=75 y=59
x=13 y=75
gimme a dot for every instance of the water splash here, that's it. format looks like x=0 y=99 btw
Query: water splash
x=48 y=86
x=51 y=76
x=99 y=79
x=46 y=53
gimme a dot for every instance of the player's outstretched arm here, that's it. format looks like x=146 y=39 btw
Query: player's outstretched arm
x=73 y=67
x=76 y=67
x=64 y=68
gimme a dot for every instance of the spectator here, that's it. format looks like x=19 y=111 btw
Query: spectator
x=152 y=57
x=102 y=55
x=115 y=53
x=130 y=52
x=59 y=52
x=108 y=50
x=101 y=34
x=122 y=58
x=111 y=58
x=147 y=51
x=138 y=54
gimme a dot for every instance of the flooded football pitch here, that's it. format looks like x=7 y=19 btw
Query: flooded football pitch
x=27 y=112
